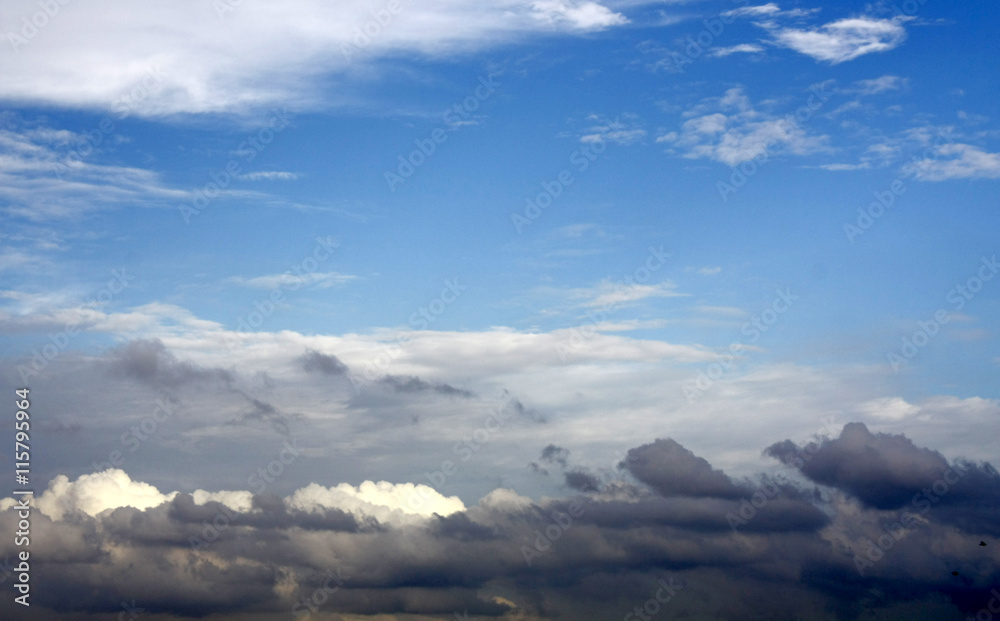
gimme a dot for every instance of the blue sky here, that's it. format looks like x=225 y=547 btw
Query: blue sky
x=705 y=165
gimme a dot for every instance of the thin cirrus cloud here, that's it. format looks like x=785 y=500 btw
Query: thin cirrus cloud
x=202 y=57
x=274 y=281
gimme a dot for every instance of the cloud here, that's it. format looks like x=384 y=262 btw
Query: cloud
x=413 y=384
x=269 y=175
x=672 y=470
x=623 y=130
x=321 y=280
x=883 y=84
x=95 y=493
x=730 y=130
x=754 y=11
x=387 y=502
x=887 y=471
x=555 y=455
x=149 y=361
x=375 y=549
x=956 y=161
x=191 y=57
x=742 y=48
x=316 y=362
x=608 y=294
x=841 y=40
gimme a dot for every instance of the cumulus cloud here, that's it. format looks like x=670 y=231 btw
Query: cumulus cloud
x=738 y=550
x=384 y=501
x=672 y=470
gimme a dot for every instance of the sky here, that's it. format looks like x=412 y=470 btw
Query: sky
x=517 y=310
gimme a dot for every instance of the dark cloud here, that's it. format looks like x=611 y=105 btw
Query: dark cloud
x=581 y=481
x=889 y=472
x=148 y=361
x=262 y=412
x=672 y=470
x=316 y=362
x=791 y=555
x=553 y=454
x=412 y=384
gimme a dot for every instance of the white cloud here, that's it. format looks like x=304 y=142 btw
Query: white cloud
x=94 y=493
x=738 y=132
x=577 y=15
x=888 y=408
x=743 y=48
x=269 y=175
x=754 y=11
x=618 y=131
x=709 y=271
x=880 y=85
x=321 y=280
x=607 y=294
x=956 y=161
x=842 y=40
x=387 y=502
x=250 y=57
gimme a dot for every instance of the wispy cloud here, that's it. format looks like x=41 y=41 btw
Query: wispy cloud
x=269 y=175
x=320 y=280
x=742 y=48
